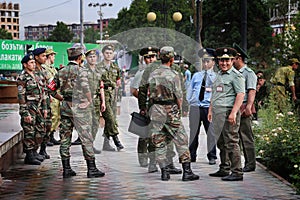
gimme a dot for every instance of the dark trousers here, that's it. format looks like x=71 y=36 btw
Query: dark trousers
x=196 y=116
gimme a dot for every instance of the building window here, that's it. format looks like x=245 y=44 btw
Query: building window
x=8 y=19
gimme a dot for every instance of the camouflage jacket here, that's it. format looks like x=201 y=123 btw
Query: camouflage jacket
x=30 y=94
x=284 y=76
x=110 y=76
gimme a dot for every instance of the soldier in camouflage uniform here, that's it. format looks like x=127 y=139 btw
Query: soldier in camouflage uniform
x=50 y=72
x=40 y=59
x=111 y=80
x=284 y=78
x=144 y=107
x=33 y=109
x=165 y=114
x=74 y=111
x=96 y=85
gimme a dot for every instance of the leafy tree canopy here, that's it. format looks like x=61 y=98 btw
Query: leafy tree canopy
x=61 y=33
x=4 y=34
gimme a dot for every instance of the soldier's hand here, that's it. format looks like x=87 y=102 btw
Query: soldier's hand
x=143 y=112
x=45 y=113
x=84 y=105
x=28 y=119
x=103 y=107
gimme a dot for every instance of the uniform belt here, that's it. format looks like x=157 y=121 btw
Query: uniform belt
x=67 y=98
x=108 y=88
x=279 y=84
x=163 y=102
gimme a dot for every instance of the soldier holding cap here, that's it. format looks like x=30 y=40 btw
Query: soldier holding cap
x=165 y=95
x=144 y=147
x=198 y=97
x=32 y=104
x=111 y=78
x=247 y=109
x=284 y=78
x=228 y=92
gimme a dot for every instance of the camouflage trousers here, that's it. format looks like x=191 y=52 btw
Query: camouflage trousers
x=55 y=111
x=280 y=96
x=111 y=125
x=48 y=122
x=34 y=132
x=84 y=124
x=165 y=128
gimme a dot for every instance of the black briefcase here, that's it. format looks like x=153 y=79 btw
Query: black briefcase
x=139 y=125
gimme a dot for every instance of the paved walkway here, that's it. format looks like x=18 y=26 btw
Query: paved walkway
x=124 y=178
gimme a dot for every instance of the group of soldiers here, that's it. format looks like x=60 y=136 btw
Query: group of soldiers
x=76 y=96
x=84 y=91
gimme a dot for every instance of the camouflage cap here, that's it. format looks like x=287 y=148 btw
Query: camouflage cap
x=38 y=51
x=72 y=52
x=294 y=60
x=49 y=51
x=147 y=51
x=108 y=47
x=226 y=52
x=91 y=52
x=167 y=52
x=27 y=57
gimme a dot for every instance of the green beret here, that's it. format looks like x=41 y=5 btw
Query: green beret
x=225 y=52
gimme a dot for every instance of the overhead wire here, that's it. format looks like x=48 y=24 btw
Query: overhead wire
x=42 y=9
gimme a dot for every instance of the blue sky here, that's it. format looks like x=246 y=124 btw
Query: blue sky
x=35 y=12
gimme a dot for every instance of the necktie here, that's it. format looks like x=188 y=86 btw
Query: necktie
x=202 y=90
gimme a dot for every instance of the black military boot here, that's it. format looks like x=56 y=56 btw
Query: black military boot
x=173 y=170
x=117 y=143
x=93 y=172
x=188 y=174
x=165 y=175
x=77 y=142
x=67 y=171
x=30 y=159
x=107 y=146
x=53 y=140
x=43 y=151
x=38 y=156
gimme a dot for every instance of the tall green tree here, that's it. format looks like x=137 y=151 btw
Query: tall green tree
x=136 y=16
x=61 y=33
x=91 y=35
x=222 y=27
x=4 y=34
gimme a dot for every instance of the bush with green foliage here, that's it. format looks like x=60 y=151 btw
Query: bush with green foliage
x=277 y=138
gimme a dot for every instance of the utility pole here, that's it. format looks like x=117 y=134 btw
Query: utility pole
x=81 y=23
x=244 y=24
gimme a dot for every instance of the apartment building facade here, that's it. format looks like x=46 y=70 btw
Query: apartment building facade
x=9 y=18
x=43 y=31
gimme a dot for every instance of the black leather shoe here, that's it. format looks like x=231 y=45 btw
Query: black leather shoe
x=193 y=159
x=219 y=174
x=233 y=177
x=248 y=169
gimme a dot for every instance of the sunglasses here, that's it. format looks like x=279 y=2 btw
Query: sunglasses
x=151 y=56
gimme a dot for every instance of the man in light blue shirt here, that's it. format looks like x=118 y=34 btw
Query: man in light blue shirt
x=198 y=97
